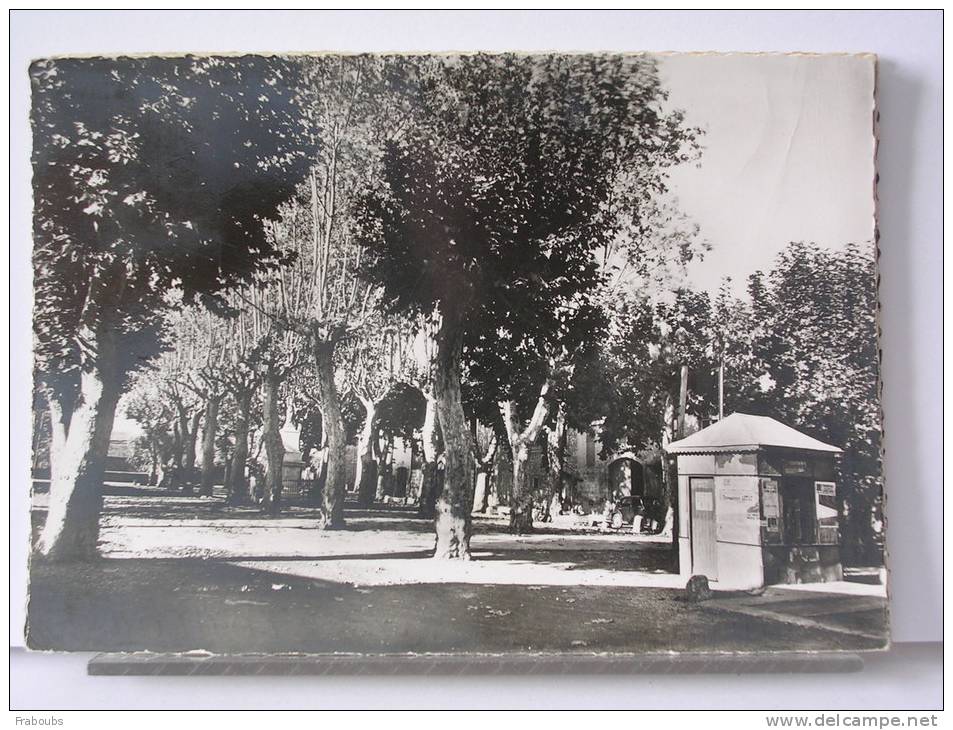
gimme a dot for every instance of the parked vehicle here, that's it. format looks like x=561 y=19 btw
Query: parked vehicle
x=625 y=512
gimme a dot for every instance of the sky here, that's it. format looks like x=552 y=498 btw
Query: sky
x=788 y=155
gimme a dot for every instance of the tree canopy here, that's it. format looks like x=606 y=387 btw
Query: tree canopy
x=152 y=174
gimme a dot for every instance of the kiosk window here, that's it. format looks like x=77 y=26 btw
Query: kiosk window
x=825 y=506
x=797 y=503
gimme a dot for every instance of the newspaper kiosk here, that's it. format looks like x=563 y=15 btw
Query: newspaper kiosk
x=757 y=504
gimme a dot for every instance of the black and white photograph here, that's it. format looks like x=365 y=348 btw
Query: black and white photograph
x=464 y=353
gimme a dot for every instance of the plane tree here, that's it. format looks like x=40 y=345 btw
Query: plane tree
x=418 y=373
x=401 y=414
x=271 y=353
x=515 y=172
x=374 y=362
x=487 y=442
x=245 y=343
x=152 y=176
x=200 y=337
x=160 y=398
x=349 y=107
x=144 y=404
x=527 y=365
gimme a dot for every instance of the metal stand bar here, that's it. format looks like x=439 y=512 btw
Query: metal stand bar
x=148 y=664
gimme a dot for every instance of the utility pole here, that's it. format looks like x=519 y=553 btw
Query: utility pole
x=721 y=389
x=682 y=401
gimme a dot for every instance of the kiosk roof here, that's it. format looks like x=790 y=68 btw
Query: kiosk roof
x=743 y=432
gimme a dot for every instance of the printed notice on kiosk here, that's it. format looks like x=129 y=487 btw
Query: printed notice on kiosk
x=739 y=518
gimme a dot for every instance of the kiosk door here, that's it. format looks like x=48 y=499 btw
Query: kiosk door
x=704 y=535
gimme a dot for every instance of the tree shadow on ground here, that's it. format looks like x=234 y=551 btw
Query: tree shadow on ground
x=176 y=506
x=181 y=605
x=642 y=561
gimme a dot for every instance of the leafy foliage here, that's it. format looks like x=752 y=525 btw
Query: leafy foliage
x=818 y=340
x=151 y=175
x=802 y=348
x=401 y=412
x=517 y=171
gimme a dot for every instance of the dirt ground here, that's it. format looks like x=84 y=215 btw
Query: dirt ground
x=182 y=574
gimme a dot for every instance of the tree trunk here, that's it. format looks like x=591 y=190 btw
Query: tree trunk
x=318 y=462
x=320 y=480
x=187 y=476
x=669 y=475
x=179 y=429
x=192 y=440
x=365 y=477
x=162 y=474
x=333 y=424
x=172 y=473
x=410 y=495
x=153 y=464
x=682 y=400
x=501 y=485
x=428 y=450
x=384 y=471
x=555 y=460
x=80 y=443
x=227 y=459
x=238 y=492
x=274 y=448
x=208 y=446
x=168 y=473
x=481 y=493
x=456 y=498
x=428 y=491
x=521 y=498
